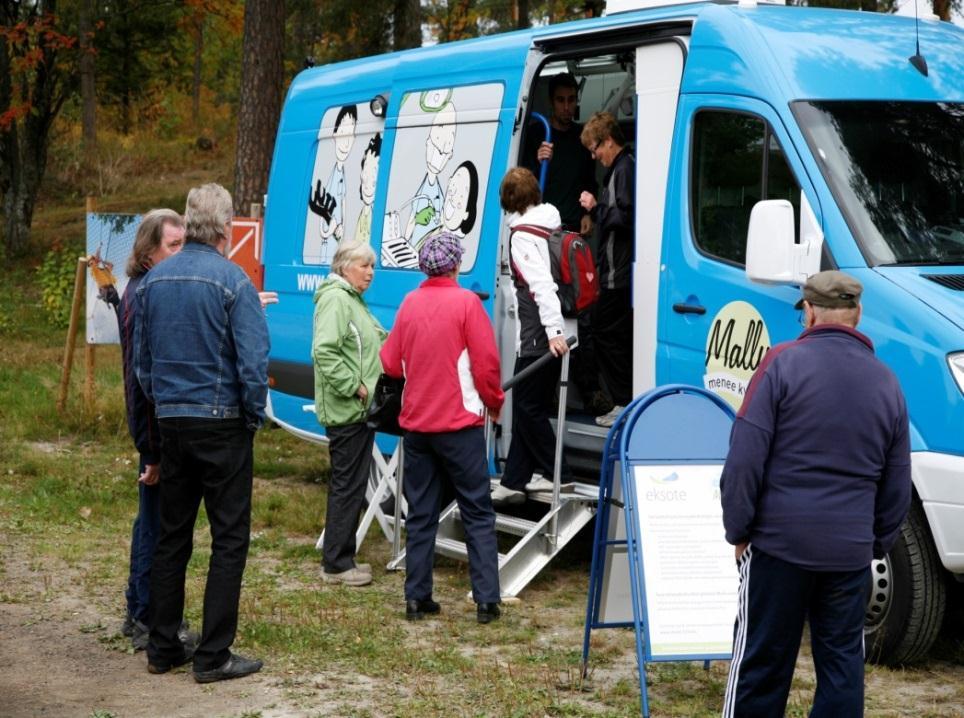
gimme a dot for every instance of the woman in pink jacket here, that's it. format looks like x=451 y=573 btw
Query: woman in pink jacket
x=444 y=346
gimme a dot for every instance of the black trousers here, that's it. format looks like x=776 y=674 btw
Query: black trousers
x=430 y=459
x=775 y=598
x=533 y=444
x=350 y=449
x=209 y=459
x=612 y=331
x=583 y=367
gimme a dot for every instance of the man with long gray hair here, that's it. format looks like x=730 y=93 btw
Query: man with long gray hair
x=202 y=358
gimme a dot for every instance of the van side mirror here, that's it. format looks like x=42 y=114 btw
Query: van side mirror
x=772 y=254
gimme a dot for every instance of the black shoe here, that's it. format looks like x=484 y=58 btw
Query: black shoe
x=235 y=667
x=416 y=610
x=127 y=628
x=487 y=612
x=158 y=668
x=188 y=637
x=140 y=636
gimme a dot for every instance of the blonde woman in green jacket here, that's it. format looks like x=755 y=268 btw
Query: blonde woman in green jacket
x=344 y=347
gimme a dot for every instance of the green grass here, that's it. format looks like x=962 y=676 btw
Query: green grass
x=68 y=494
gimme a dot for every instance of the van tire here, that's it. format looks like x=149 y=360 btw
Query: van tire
x=908 y=596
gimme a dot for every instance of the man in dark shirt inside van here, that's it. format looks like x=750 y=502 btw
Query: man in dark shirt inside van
x=815 y=486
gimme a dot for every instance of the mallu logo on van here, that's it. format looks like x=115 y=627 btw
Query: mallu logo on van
x=735 y=346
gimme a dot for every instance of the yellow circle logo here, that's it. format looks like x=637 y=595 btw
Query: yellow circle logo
x=735 y=346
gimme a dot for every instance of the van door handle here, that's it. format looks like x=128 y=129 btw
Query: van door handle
x=681 y=308
x=485 y=295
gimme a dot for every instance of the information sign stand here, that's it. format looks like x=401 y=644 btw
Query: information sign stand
x=669 y=446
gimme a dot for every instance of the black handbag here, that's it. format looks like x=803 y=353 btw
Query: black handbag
x=386 y=405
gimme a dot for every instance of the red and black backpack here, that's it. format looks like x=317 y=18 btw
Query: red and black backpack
x=572 y=265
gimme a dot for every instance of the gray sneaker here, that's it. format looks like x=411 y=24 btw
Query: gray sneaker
x=609 y=418
x=351 y=577
x=503 y=496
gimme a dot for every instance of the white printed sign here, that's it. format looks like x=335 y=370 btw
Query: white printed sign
x=689 y=570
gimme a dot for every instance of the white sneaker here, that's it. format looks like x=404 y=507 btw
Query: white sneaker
x=506 y=496
x=609 y=418
x=539 y=483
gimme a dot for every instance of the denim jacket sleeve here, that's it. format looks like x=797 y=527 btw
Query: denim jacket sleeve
x=249 y=330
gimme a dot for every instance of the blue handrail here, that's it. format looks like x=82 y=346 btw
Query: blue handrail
x=544 y=168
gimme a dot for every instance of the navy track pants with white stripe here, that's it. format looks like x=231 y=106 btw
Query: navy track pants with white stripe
x=774 y=600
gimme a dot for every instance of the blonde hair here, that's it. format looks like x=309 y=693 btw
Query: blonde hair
x=148 y=239
x=600 y=126
x=208 y=210
x=348 y=253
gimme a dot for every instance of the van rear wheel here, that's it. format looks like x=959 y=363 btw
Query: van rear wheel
x=908 y=596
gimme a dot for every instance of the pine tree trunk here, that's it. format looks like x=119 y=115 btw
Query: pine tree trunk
x=523 y=14
x=407 y=24
x=262 y=75
x=196 y=88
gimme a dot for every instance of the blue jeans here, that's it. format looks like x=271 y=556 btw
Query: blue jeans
x=430 y=461
x=143 y=541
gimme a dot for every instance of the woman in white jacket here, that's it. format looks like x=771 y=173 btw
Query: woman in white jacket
x=540 y=330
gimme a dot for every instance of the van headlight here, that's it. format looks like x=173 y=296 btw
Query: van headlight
x=956 y=363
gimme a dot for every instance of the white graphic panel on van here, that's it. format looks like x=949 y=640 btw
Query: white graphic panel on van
x=440 y=167
x=343 y=182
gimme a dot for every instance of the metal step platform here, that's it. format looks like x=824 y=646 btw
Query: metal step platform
x=538 y=541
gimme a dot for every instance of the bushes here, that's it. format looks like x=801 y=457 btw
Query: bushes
x=56 y=278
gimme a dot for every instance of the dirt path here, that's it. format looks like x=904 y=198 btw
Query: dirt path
x=61 y=656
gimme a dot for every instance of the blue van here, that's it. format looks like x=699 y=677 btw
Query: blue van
x=771 y=142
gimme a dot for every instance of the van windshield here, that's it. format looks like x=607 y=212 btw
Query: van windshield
x=896 y=170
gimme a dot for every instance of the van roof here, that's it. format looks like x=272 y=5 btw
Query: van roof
x=772 y=52
x=793 y=53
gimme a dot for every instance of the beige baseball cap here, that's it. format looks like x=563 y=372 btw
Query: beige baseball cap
x=831 y=289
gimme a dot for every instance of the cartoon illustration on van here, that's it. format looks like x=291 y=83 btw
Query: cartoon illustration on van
x=346 y=154
x=458 y=132
x=366 y=189
x=770 y=142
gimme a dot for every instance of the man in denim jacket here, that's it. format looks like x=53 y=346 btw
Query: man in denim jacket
x=202 y=358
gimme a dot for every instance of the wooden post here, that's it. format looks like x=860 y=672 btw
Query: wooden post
x=90 y=357
x=72 y=332
x=90 y=350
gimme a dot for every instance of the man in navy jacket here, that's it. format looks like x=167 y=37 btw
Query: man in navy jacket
x=815 y=486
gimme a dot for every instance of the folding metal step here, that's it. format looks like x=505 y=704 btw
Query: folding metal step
x=536 y=546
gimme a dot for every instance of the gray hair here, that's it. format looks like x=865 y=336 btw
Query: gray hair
x=348 y=253
x=848 y=316
x=208 y=210
x=148 y=239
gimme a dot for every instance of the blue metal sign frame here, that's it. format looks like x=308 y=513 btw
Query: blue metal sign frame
x=676 y=424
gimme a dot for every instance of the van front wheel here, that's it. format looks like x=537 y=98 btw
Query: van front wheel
x=907 y=597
